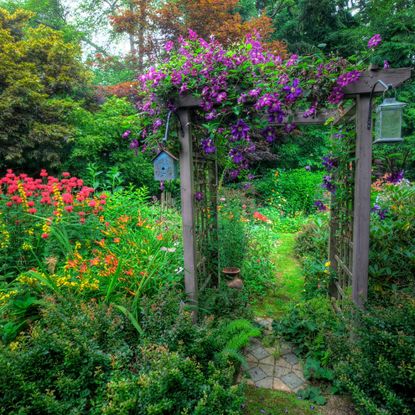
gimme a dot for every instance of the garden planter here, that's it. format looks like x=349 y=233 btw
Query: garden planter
x=231 y=272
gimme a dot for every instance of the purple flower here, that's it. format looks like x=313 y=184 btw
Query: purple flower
x=211 y=115
x=329 y=163
x=374 y=41
x=348 y=78
x=395 y=177
x=192 y=35
x=290 y=127
x=308 y=168
x=221 y=97
x=336 y=95
x=311 y=111
x=168 y=47
x=126 y=134
x=320 y=205
x=236 y=156
x=157 y=124
x=269 y=134
x=247 y=186
x=234 y=174
x=328 y=184
x=379 y=211
x=293 y=91
x=254 y=92
x=292 y=61
x=198 y=196
x=240 y=130
x=250 y=176
x=134 y=144
x=162 y=187
x=184 y=88
x=386 y=65
x=242 y=99
x=208 y=146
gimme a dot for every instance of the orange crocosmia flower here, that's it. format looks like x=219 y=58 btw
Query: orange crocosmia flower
x=117 y=240
x=129 y=272
x=159 y=237
x=83 y=268
x=101 y=243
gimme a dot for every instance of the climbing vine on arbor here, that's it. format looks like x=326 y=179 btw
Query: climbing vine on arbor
x=247 y=94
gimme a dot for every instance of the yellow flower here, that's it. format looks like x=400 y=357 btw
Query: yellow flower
x=327 y=264
x=14 y=346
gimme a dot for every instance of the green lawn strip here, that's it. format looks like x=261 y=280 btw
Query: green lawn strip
x=270 y=402
x=289 y=280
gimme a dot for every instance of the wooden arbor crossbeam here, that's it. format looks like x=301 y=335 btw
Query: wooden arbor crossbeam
x=359 y=91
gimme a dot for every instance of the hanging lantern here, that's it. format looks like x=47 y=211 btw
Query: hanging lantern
x=388 y=128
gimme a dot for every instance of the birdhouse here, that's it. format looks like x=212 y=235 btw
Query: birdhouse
x=165 y=166
x=389 y=121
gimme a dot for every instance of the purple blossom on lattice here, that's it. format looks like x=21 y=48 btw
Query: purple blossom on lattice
x=293 y=91
x=320 y=205
x=336 y=95
x=157 y=124
x=329 y=163
x=242 y=98
x=263 y=101
x=134 y=144
x=251 y=147
x=386 y=65
x=198 y=196
x=126 y=134
x=292 y=61
x=222 y=96
x=339 y=135
x=240 y=130
x=328 y=184
x=208 y=146
x=254 y=92
x=234 y=174
x=284 y=79
x=250 y=176
x=211 y=115
x=395 y=177
x=311 y=111
x=269 y=134
x=144 y=133
x=206 y=105
x=168 y=47
x=184 y=89
x=290 y=127
x=348 y=78
x=374 y=41
x=236 y=156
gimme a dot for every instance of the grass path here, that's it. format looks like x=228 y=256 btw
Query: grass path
x=289 y=280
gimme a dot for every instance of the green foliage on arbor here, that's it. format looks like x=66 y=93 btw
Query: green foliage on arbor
x=39 y=71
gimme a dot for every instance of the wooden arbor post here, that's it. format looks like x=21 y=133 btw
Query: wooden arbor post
x=361 y=91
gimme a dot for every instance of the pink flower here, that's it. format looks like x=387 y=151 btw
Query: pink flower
x=374 y=41
x=66 y=174
x=92 y=203
x=45 y=235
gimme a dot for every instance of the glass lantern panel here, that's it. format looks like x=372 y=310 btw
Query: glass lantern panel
x=390 y=123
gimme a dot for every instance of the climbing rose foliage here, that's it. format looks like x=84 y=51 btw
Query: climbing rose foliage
x=246 y=93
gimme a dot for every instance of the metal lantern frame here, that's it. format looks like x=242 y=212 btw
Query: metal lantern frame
x=388 y=124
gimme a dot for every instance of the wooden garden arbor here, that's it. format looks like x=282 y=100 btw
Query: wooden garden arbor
x=349 y=258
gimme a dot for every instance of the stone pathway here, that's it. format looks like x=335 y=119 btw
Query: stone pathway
x=273 y=367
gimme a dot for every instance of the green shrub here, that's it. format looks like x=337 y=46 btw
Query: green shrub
x=377 y=362
x=290 y=191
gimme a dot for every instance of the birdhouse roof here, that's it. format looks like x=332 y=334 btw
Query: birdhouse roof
x=166 y=152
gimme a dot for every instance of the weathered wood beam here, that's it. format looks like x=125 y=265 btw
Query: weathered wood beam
x=361 y=215
x=188 y=213
x=393 y=76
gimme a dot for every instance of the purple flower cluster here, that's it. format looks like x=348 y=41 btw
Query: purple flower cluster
x=330 y=163
x=374 y=41
x=395 y=177
x=320 y=205
x=126 y=134
x=348 y=78
x=269 y=134
x=293 y=91
x=379 y=211
x=328 y=184
x=240 y=131
x=199 y=196
x=336 y=95
x=208 y=146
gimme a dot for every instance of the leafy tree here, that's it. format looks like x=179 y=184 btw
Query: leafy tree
x=38 y=71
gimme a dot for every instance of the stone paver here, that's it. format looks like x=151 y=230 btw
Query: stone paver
x=275 y=368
